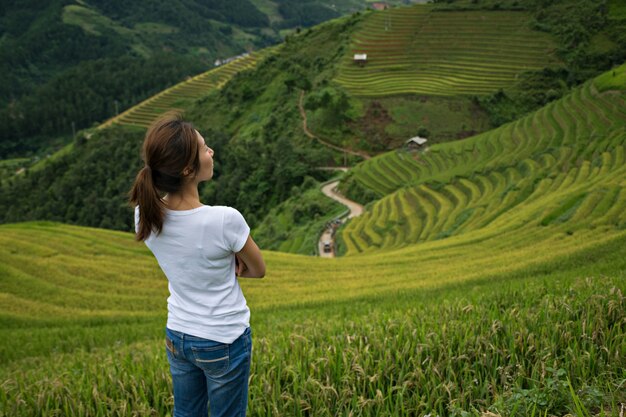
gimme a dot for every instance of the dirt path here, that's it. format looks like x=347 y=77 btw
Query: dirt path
x=310 y=134
x=355 y=208
x=328 y=236
x=327 y=239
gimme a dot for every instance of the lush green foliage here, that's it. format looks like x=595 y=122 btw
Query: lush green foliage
x=591 y=39
x=89 y=92
x=87 y=185
x=105 y=56
x=183 y=94
x=240 y=117
x=304 y=13
x=191 y=14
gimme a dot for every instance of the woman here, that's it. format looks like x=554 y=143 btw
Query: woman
x=200 y=249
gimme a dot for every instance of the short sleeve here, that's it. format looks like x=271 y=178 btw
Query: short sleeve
x=236 y=230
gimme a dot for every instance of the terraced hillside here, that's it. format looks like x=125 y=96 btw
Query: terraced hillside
x=174 y=97
x=561 y=167
x=424 y=50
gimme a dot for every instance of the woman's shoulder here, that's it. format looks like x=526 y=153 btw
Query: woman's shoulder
x=223 y=209
x=229 y=214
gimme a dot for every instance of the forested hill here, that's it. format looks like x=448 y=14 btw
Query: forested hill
x=254 y=124
x=66 y=64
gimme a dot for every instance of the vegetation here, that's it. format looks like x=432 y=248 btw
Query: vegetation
x=89 y=92
x=235 y=119
x=295 y=225
x=424 y=50
x=64 y=67
x=486 y=277
x=557 y=165
x=183 y=94
x=591 y=39
x=442 y=327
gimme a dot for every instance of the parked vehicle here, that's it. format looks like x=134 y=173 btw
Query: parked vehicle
x=327 y=247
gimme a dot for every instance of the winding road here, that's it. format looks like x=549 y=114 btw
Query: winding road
x=355 y=210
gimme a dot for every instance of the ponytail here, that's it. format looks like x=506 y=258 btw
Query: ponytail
x=170 y=147
x=145 y=195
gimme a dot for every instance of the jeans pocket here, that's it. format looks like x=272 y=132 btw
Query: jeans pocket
x=212 y=360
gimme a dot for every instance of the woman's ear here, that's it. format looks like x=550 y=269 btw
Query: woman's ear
x=187 y=171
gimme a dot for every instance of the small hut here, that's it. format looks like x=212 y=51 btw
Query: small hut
x=416 y=143
x=380 y=5
x=360 y=59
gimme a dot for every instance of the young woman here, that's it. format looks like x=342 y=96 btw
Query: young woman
x=201 y=249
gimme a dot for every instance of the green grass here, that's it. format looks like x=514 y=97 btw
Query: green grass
x=611 y=80
x=445 y=118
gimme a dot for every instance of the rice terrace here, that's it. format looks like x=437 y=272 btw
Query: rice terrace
x=486 y=275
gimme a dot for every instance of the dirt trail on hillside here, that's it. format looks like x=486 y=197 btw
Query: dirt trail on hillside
x=355 y=208
x=328 y=236
x=310 y=134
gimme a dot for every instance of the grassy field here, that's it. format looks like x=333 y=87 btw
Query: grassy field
x=445 y=118
x=422 y=50
x=498 y=322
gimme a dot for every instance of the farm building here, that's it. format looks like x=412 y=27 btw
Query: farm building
x=360 y=59
x=416 y=143
x=380 y=5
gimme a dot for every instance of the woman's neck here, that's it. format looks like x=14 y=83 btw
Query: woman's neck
x=187 y=199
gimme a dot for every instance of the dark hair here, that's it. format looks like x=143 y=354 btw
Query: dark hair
x=170 y=146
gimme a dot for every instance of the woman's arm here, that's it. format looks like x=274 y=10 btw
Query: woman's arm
x=250 y=261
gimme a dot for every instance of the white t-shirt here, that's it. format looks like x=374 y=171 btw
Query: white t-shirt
x=195 y=250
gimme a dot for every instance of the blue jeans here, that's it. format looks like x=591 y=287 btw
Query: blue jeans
x=208 y=373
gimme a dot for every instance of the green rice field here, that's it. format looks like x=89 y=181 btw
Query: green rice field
x=479 y=323
x=424 y=50
x=562 y=166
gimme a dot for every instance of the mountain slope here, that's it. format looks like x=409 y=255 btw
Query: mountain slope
x=425 y=50
x=562 y=167
x=62 y=65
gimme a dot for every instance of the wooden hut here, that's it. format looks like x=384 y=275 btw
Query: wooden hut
x=360 y=59
x=416 y=143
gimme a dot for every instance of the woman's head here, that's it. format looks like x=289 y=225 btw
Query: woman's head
x=174 y=154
